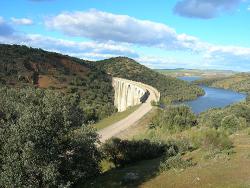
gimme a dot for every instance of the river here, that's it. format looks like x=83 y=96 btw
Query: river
x=213 y=98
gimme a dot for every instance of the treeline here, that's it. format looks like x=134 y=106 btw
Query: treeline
x=171 y=89
x=21 y=66
x=239 y=82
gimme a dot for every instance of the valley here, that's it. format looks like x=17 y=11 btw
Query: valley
x=125 y=94
x=111 y=111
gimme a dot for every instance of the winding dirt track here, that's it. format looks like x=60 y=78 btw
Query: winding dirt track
x=123 y=124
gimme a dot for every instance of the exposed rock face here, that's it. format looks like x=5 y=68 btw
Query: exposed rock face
x=128 y=93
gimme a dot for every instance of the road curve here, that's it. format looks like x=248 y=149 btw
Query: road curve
x=123 y=124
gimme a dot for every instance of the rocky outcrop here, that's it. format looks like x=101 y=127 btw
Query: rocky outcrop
x=128 y=93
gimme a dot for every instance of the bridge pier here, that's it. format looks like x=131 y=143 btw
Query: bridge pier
x=128 y=93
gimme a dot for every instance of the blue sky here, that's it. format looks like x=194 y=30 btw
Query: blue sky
x=204 y=34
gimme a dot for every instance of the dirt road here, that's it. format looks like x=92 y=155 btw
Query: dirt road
x=123 y=124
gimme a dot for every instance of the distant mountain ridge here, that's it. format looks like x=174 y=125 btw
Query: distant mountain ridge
x=238 y=82
x=183 y=69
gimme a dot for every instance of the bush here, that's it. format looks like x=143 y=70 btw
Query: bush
x=211 y=139
x=175 y=118
x=175 y=162
x=183 y=145
x=231 y=122
x=230 y=119
x=212 y=118
x=122 y=152
x=240 y=110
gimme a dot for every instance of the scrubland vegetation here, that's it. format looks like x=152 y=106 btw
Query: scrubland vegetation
x=181 y=141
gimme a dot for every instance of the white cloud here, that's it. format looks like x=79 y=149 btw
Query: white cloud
x=67 y=46
x=22 y=21
x=204 y=9
x=85 y=50
x=103 y=26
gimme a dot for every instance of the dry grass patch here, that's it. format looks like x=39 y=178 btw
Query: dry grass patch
x=115 y=118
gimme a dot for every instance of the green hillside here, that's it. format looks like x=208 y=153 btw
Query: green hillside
x=170 y=88
x=21 y=67
x=238 y=82
x=206 y=73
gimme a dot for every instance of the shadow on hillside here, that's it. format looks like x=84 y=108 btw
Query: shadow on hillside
x=130 y=176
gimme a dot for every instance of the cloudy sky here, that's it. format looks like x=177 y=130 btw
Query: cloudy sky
x=205 y=34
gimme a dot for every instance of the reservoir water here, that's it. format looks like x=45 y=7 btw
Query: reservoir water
x=213 y=98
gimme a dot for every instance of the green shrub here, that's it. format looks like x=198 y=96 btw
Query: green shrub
x=230 y=119
x=175 y=162
x=212 y=118
x=175 y=118
x=210 y=139
x=183 y=145
x=240 y=110
x=231 y=123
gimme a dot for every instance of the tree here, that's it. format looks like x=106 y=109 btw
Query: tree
x=43 y=142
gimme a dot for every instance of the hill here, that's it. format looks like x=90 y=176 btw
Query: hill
x=21 y=67
x=239 y=82
x=206 y=73
x=171 y=88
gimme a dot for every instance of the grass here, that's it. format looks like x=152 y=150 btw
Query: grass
x=115 y=118
x=226 y=169
x=222 y=171
x=217 y=172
